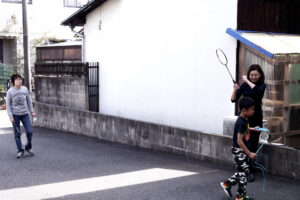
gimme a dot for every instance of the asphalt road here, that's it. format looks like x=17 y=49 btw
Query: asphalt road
x=67 y=166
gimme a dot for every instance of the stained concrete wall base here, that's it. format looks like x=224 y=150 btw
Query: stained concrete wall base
x=279 y=160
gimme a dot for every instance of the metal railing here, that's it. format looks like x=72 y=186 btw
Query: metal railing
x=93 y=86
x=61 y=69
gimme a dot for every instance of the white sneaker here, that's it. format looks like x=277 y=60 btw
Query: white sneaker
x=20 y=154
x=30 y=152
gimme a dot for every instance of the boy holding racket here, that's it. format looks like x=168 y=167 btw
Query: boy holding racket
x=17 y=104
x=240 y=151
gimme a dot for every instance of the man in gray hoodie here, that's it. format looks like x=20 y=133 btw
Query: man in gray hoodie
x=18 y=103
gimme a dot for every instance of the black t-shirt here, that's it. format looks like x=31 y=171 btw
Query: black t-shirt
x=241 y=126
x=257 y=93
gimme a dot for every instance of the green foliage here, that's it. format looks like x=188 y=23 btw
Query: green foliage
x=45 y=39
x=5 y=73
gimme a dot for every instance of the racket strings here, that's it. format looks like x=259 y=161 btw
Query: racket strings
x=222 y=57
x=223 y=60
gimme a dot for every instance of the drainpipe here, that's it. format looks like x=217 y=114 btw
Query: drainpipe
x=83 y=43
x=83 y=61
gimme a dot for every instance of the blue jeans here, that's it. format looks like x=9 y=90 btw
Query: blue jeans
x=27 y=125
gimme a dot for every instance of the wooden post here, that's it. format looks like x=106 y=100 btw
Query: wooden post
x=286 y=101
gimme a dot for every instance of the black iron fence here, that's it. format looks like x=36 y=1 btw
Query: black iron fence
x=61 y=69
x=93 y=86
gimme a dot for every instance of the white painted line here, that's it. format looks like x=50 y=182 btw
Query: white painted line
x=60 y=189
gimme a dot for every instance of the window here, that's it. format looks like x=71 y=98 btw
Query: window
x=16 y=1
x=75 y=3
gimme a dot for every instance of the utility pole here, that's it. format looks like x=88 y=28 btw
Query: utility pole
x=27 y=71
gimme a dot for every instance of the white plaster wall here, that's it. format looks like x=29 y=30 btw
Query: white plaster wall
x=44 y=18
x=158 y=61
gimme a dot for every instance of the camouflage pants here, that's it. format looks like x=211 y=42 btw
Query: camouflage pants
x=242 y=165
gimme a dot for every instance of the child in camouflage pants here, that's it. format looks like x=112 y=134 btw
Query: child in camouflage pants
x=240 y=151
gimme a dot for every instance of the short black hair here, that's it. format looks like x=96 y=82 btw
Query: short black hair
x=14 y=77
x=246 y=102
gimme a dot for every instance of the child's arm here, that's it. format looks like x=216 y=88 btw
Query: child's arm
x=254 y=129
x=243 y=146
x=258 y=129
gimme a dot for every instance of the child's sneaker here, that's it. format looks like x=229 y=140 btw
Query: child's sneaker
x=20 y=154
x=30 y=152
x=243 y=198
x=226 y=188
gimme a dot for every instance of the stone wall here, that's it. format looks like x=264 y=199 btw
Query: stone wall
x=62 y=91
x=279 y=160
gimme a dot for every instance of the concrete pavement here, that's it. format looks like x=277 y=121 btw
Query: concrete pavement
x=68 y=166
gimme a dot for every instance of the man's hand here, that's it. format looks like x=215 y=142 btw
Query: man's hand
x=12 y=120
x=253 y=156
x=33 y=114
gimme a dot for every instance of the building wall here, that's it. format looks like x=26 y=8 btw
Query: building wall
x=9 y=55
x=44 y=18
x=158 y=62
x=53 y=12
x=280 y=16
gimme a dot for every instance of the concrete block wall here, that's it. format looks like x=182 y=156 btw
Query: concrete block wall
x=278 y=160
x=62 y=91
x=228 y=125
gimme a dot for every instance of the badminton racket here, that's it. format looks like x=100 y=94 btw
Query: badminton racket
x=223 y=60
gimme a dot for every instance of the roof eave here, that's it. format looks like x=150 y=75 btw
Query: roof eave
x=79 y=17
x=237 y=34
